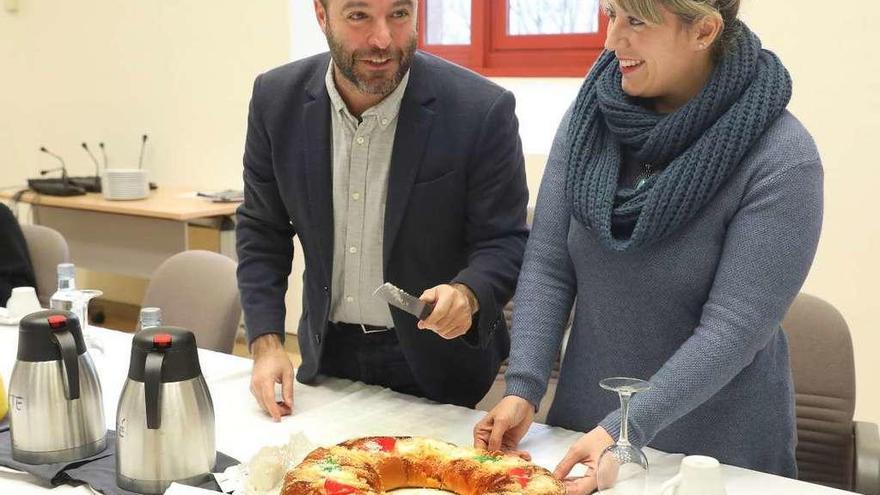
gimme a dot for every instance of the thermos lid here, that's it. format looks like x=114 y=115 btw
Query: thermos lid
x=181 y=357
x=36 y=341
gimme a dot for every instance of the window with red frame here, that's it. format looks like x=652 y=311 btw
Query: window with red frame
x=514 y=37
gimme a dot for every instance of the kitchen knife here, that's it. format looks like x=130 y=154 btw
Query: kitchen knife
x=399 y=298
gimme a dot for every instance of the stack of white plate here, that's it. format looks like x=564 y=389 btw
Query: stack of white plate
x=125 y=183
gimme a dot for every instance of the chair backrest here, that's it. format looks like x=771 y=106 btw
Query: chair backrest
x=824 y=381
x=47 y=248
x=197 y=290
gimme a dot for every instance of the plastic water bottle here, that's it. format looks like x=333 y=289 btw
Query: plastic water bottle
x=67 y=298
x=150 y=317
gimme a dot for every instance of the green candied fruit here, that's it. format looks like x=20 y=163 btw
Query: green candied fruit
x=329 y=465
x=487 y=458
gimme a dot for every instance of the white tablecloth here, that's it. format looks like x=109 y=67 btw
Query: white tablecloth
x=340 y=409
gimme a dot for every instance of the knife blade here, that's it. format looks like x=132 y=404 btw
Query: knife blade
x=399 y=298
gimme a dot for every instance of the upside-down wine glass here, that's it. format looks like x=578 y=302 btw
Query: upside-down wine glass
x=623 y=467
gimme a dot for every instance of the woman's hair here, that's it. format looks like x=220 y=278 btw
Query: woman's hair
x=690 y=11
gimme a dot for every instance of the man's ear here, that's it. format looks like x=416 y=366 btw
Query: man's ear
x=321 y=15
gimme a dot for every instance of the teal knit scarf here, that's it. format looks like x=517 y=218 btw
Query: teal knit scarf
x=701 y=143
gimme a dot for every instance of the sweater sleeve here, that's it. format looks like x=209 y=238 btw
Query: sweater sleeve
x=546 y=288
x=767 y=253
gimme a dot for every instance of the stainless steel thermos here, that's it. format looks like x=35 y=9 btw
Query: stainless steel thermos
x=165 y=419
x=55 y=406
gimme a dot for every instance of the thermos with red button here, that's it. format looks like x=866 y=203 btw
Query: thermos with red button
x=165 y=418
x=55 y=407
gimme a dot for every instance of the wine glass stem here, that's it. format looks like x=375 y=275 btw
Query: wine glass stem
x=624 y=419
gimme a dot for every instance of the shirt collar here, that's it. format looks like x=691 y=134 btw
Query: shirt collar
x=385 y=111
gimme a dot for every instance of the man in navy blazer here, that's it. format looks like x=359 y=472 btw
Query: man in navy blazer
x=377 y=139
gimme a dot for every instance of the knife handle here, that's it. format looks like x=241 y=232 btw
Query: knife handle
x=427 y=309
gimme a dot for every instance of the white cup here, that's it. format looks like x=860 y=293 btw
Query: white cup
x=22 y=302
x=698 y=475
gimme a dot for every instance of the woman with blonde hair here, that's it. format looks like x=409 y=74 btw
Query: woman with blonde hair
x=680 y=210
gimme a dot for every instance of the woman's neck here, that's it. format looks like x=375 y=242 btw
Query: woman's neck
x=688 y=88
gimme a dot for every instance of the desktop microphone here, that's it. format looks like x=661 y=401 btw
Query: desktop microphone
x=94 y=160
x=143 y=145
x=63 y=167
x=104 y=154
x=50 y=170
x=92 y=184
x=52 y=186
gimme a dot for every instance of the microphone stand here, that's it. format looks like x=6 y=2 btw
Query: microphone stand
x=97 y=182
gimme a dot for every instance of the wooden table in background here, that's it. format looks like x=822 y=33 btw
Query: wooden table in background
x=133 y=237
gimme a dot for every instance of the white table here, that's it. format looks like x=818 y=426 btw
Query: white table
x=340 y=409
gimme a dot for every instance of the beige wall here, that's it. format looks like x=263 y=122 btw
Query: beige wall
x=105 y=70
x=182 y=71
x=109 y=70
x=831 y=54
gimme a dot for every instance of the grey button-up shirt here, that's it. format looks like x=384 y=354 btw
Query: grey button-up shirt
x=361 y=156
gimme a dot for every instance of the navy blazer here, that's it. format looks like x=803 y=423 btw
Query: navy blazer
x=455 y=212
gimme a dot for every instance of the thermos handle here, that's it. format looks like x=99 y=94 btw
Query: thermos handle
x=152 y=384
x=69 y=363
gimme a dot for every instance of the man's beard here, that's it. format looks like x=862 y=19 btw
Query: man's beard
x=380 y=86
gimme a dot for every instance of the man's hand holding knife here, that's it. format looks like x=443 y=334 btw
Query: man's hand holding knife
x=446 y=309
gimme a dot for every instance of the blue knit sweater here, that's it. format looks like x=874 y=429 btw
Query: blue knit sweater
x=697 y=313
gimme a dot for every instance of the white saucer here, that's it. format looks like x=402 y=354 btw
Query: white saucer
x=5 y=319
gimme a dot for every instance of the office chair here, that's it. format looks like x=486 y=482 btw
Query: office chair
x=198 y=290
x=832 y=450
x=47 y=248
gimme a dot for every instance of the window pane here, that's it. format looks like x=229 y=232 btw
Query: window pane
x=552 y=16
x=448 y=22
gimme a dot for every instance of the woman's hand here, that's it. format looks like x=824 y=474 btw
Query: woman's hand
x=586 y=450
x=505 y=425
